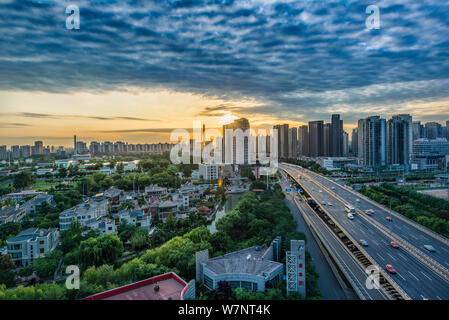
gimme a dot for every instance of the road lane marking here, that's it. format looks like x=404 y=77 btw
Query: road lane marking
x=401 y=277
x=403 y=257
x=413 y=276
x=392 y=257
x=426 y=276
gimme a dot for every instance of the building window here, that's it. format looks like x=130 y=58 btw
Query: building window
x=41 y=242
x=41 y=250
x=208 y=282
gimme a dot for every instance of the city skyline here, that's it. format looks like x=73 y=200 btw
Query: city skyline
x=271 y=61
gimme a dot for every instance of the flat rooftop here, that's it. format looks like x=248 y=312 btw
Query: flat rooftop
x=170 y=288
x=246 y=261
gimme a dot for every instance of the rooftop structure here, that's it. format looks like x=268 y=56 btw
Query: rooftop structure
x=168 y=286
x=252 y=268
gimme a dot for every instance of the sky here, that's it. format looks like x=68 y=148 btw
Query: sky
x=137 y=69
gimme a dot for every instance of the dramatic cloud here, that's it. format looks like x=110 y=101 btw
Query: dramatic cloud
x=301 y=60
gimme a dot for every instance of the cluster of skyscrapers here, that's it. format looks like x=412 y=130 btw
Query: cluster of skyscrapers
x=400 y=141
x=317 y=139
x=26 y=151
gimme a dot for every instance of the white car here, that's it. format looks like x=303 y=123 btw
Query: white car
x=350 y=216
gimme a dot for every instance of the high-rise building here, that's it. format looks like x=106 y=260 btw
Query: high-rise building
x=336 y=136
x=38 y=147
x=345 y=150
x=237 y=151
x=3 y=153
x=292 y=142
x=15 y=152
x=81 y=147
x=25 y=151
x=327 y=140
x=282 y=140
x=316 y=143
x=399 y=139
x=95 y=147
x=433 y=130
x=354 y=142
x=304 y=140
x=374 y=142
x=360 y=136
x=418 y=130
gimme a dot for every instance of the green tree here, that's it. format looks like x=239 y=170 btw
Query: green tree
x=23 y=179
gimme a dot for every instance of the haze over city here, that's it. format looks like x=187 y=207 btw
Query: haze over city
x=134 y=73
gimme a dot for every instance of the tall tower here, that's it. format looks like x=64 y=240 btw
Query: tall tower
x=296 y=267
x=74 y=144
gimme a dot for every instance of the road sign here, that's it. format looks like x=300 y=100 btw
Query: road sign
x=298 y=190
x=288 y=190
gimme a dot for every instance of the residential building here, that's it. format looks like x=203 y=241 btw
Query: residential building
x=31 y=244
x=304 y=140
x=102 y=224
x=345 y=150
x=239 y=148
x=155 y=191
x=418 y=130
x=33 y=205
x=316 y=138
x=336 y=136
x=374 y=142
x=327 y=139
x=12 y=213
x=292 y=142
x=433 y=130
x=136 y=218
x=354 y=142
x=84 y=213
x=399 y=139
x=208 y=172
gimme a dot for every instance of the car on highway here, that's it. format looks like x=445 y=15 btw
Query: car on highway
x=430 y=248
x=333 y=188
x=390 y=269
x=350 y=216
x=323 y=203
x=363 y=243
x=389 y=218
x=357 y=200
x=394 y=244
x=330 y=204
x=369 y=211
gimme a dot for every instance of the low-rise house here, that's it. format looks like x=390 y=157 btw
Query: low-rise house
x=33 y=205
x=22 y=195
x=155 y=191
x=84 y=213
x=103 y=224
x=166 y=208
x=136 y=218
x=31 y=244
x=12 y=214
x=114 y=197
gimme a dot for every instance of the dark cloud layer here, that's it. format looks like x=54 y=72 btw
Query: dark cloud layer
x=302 y=59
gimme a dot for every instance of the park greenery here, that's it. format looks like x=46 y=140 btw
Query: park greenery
x=255 y=220
x=428 y=211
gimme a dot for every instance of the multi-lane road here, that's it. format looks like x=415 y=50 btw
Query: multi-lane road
x=416 y=274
